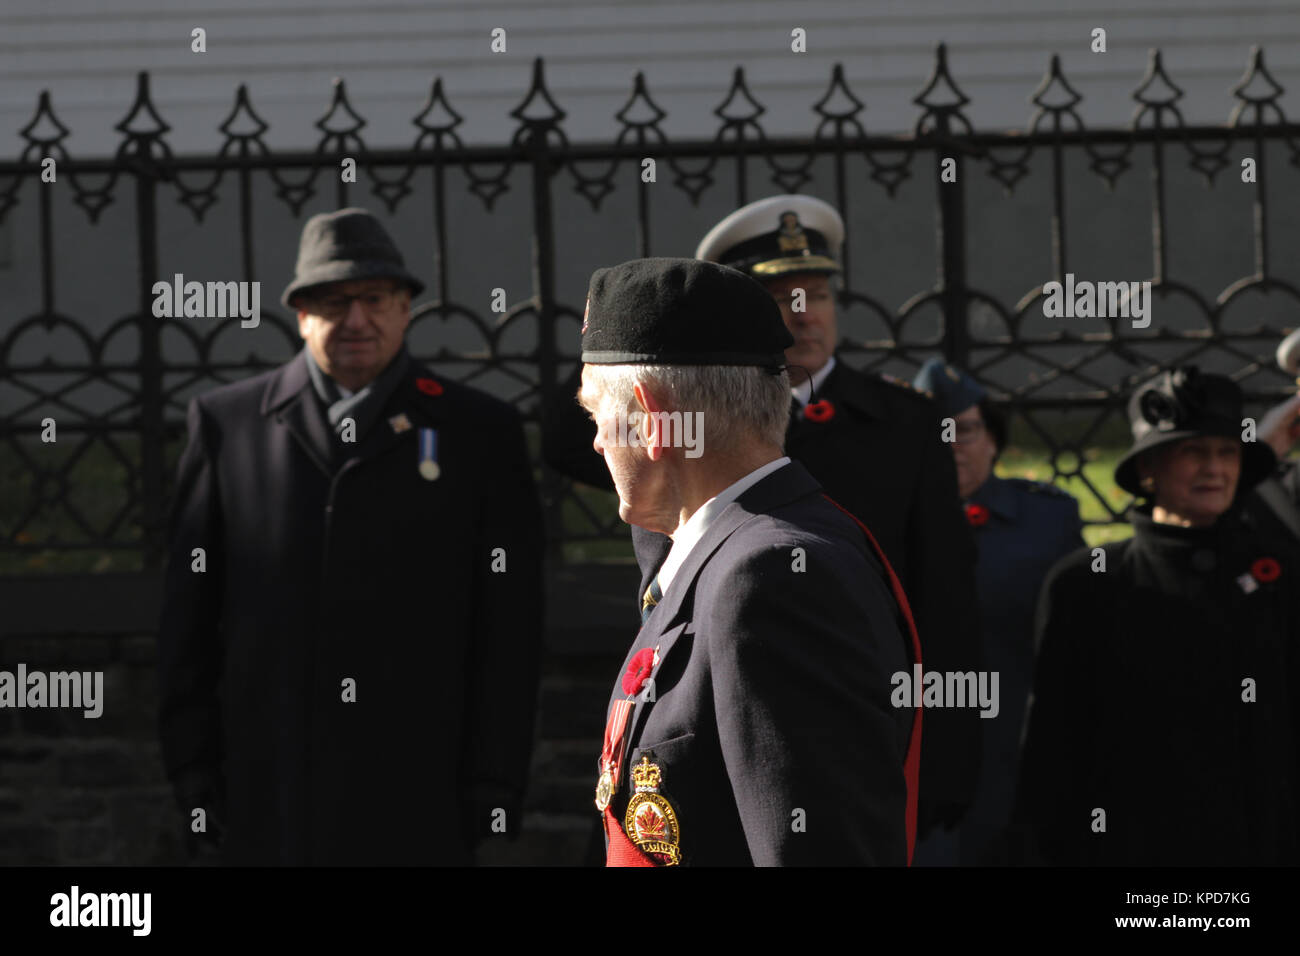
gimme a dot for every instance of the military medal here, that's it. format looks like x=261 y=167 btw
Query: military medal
x=604 y=790
x=429 y=469
x=399 y=423
x=651 y=821
x=611 y=755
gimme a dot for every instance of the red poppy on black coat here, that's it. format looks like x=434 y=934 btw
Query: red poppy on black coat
x=822 y=411
x=977 y=515
x=1266 y=570
x=428 y=386
x=638 y=670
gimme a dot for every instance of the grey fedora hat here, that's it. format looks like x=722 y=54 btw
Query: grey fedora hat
x=342 y=246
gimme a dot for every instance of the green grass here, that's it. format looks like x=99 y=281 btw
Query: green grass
x=1098 y=468
x=72 y=496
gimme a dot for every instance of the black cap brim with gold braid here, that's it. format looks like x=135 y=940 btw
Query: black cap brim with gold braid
x=778 y=236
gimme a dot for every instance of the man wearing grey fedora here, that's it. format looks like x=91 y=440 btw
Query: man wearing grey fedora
x=351 y=630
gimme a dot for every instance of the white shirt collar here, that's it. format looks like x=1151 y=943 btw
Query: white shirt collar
x=688 y=535
x=802 y=391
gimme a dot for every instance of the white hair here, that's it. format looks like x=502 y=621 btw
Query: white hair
x=737 y=402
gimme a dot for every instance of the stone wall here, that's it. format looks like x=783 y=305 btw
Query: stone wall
x=81 y=791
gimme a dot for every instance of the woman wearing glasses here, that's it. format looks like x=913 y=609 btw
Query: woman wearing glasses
x=1021 y=529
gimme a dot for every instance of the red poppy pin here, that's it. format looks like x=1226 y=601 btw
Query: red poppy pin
x=977 y=515
x=428 y=386
x=822 y=411
x=1266 y=570
x=638 y=670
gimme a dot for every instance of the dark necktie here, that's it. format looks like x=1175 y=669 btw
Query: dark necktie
x=650 y=599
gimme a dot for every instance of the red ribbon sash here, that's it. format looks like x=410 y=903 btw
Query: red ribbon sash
x=912 y=762
x=620 y=851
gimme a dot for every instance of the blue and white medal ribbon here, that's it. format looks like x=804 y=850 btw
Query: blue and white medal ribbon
x=429 y=469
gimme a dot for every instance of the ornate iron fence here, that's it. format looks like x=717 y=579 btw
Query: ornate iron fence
x=1066 y=368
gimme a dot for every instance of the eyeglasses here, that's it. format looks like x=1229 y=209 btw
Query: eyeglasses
x=969 y=431
x=335 y=307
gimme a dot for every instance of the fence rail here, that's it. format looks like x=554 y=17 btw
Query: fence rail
x=134 y=437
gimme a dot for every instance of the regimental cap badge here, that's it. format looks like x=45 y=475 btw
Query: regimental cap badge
x=585 y=312
x=790 y=238
x=778 y=236
x=650 y=821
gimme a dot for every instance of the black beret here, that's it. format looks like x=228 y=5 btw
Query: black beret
x=681 y=312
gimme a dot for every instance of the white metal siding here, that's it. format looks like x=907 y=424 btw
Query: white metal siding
x=87 y=52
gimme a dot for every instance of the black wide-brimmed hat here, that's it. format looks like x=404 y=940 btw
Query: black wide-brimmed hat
x=1187 y=403
x=344 y=246
x=681 y=312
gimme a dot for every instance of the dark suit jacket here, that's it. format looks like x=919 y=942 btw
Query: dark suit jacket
x=773 y=691
x=327 y=562
x=880 y=455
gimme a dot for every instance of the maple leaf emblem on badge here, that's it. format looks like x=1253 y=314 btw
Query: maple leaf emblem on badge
x=649 y=823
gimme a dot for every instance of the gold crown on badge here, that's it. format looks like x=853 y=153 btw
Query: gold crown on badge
x=646 y=776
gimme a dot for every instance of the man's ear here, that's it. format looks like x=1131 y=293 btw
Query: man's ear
x=651 y=434
x=302 y=323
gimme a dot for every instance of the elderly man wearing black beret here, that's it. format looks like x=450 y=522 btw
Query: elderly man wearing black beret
x=351 y=626
x=874 y=443
x=753 y=723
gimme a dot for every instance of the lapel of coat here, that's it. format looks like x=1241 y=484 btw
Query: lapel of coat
x=421 y=411
x=851 y=387
x=998 y=496
x=674 y=616
x=290 y=400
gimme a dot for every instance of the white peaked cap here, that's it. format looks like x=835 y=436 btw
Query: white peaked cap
x=1288 y=354
x=763 y=218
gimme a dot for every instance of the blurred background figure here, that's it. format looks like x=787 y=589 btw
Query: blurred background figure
x=1276 y=501
x=356 y=640
x=1160 y=728
x=1021 y=529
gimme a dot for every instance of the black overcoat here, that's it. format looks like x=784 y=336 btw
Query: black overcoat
x=326 y=563
x=1139 y=706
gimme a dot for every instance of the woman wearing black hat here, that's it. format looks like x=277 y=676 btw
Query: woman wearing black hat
x=1161 y=731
